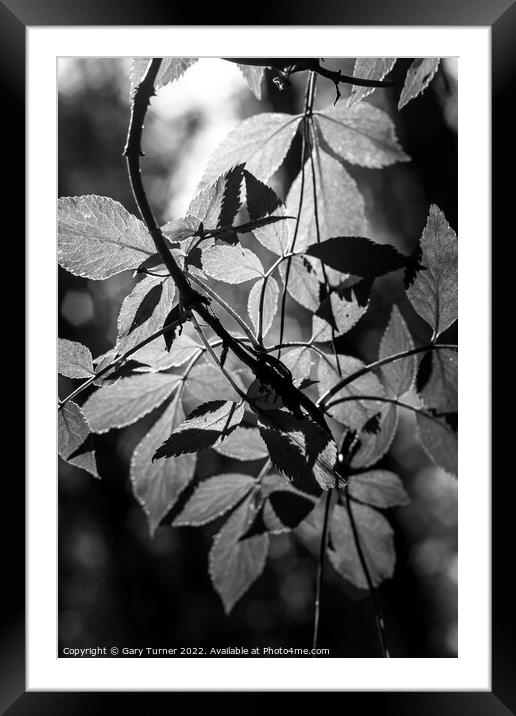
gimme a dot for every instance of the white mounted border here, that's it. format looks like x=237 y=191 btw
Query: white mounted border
x=471 y=669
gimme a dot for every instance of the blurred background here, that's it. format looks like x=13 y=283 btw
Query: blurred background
x=116 y=584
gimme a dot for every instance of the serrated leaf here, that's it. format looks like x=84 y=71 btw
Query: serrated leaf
x=361 y=134
x=98 y=238
x=171 y=69
x=373 y=445
x=218 y=203
x=439 y=441
x=144 y=311
x=253 y=76
x=74 y=359
x=205 y=427
x=213 y=498
x=243 y=444
x=179 y=230
x=299 y=362
x=72 y=434
x=157 y=486
x=358 y=256
x=441 y=390
x=345 y=313
x=379 y=488
x=158 y=358
x=369 y=68
x=305 y=281
x=433 y=293
x=300 y=449
x=261 y=200
x=269 y=306
x=400 y=374
x=262 y=142
x=341 y=208
x=207 y=382
x=419 y=75
x=127 y=400
x=352 y=413
x=234 y=564
x=376 y=540
x=231 y=264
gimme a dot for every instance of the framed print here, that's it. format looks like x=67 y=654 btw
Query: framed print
x=255 y=308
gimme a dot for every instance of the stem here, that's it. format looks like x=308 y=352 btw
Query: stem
x=168 y=327
x=323 y=400
x=383 y=399
x=309 y=99
x=320 y=569
x=376 y=606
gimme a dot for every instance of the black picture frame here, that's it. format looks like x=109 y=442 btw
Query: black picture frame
x=500 y=15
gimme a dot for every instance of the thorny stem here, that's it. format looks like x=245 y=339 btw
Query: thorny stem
x=372 y=591
x=320 y=568
x=323 y=400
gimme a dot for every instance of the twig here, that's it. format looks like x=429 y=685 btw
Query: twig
x=320 y=569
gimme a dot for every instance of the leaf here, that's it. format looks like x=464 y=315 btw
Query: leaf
x=341 y=209
x=419 y=75
x=205 y=427
x=218 y=203
x=269 y=306
x=433 y=294
x=74 y=359
x=178 y=230
x=441 y=390
x=171 y=69
x=379 y=488
x=213 y=498
x=361 y=134
x=353 y=413
x=400 y=374
x=300 y=449
x=358 y=256
x=299 y=362
x=262 y=142
x=98 y=238
x=305 y=281
x=207 y=382
x=144 y=311
x=439 y=442
x=376 y=540
x=157 y=486
x=243 y=444
x=231 y=264
x=285 y=506
x=235 y=564
x=157 y=358
x=373 y=445
x=345 y=312
x=72 y=434
x=127 y=400
x=261 y=199
x=369 y=68
x=253 y=76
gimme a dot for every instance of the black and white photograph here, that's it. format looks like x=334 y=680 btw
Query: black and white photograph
x=258 y=356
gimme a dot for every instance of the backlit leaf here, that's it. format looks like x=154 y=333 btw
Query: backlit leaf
x=369 y=68
x=157 y=485
x=231 y=264
x=73 y=434
x=253 y=77
x=441 y=390
x=207 y=382
x=357 y=255
x=218 y=203
x=205 y=427
x=379 y=488
x=98 y=238
x=439 y=441
x=419 y=75
x=268 y=308
x=213 y=498
x=127 y=400
x=399 y=374
x=74 y=359
x=243 y=444
x=433 y=293
x=171 y=69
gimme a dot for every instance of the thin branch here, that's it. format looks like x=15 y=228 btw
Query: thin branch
x=376 y=606
x=320 y=568
x=323 y=400
x=382 y=399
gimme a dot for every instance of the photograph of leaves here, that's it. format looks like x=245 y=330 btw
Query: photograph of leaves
x=273 y=361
